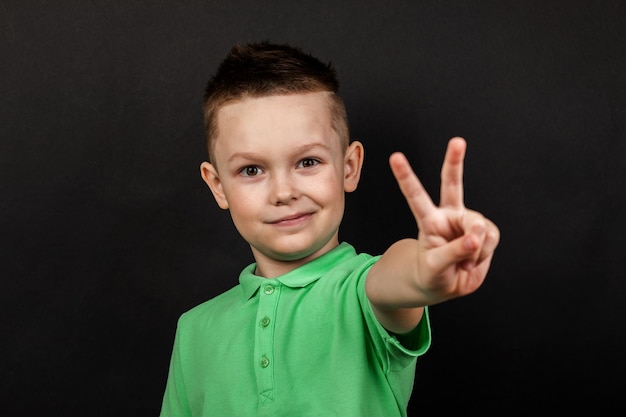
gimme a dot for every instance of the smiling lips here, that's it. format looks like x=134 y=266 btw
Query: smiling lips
x=292 y=220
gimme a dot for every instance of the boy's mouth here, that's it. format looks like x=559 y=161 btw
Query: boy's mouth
x=291 y=219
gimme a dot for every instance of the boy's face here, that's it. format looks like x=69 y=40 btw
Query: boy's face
x=281 y=171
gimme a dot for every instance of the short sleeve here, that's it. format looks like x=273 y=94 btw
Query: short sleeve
x=395 y=352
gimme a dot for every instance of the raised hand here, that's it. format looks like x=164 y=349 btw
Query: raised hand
x=455 y=244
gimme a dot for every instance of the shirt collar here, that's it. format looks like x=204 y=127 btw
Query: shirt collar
x=299 y=277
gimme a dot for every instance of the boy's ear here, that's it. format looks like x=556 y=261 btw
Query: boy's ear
x=353 y=162
x=211 y=177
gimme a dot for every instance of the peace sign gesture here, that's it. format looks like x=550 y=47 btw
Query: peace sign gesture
x=453 y=250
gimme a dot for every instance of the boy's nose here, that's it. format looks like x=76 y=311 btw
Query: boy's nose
x=284 y=190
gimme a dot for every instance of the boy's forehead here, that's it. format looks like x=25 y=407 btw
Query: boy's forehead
x=299 y=116
x=296 y=107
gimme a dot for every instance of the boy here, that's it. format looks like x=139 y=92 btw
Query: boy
x=313 y=328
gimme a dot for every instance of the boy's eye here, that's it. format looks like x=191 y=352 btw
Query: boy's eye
x=250 y=171
x=308 y=162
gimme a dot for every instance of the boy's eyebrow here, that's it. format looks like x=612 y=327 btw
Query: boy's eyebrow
x=302 y=149
x=310 y=146
x=242 y=155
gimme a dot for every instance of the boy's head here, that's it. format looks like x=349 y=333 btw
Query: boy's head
x=280 y=156
x=264 y=69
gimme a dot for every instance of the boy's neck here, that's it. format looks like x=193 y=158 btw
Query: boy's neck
x=268 y=267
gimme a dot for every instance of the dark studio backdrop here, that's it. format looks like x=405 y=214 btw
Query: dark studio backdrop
x=108 y=233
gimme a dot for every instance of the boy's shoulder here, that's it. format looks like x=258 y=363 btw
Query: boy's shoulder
x=218 y=305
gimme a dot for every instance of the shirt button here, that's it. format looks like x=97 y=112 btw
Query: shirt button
x=265 y=362
x=269 y=289
x=265 y=321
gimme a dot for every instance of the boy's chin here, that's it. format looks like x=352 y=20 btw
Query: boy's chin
x=289 y=256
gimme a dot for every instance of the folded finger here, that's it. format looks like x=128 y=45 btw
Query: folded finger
x=490 y=242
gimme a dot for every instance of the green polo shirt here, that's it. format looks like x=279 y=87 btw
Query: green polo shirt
x=303 y=344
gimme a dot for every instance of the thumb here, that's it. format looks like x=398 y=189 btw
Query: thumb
x=462 y=251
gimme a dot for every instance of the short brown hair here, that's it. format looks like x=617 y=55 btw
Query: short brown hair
x=266 y=69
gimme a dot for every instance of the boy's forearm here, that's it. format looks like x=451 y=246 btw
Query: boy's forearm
x=394 y=282
x=393 y=290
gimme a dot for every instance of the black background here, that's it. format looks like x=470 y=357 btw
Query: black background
x=108 y=233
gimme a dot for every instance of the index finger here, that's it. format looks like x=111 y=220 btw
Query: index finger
x=416 y=195
x=452 y=174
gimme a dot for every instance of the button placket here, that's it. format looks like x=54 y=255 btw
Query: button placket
x=264 y=338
